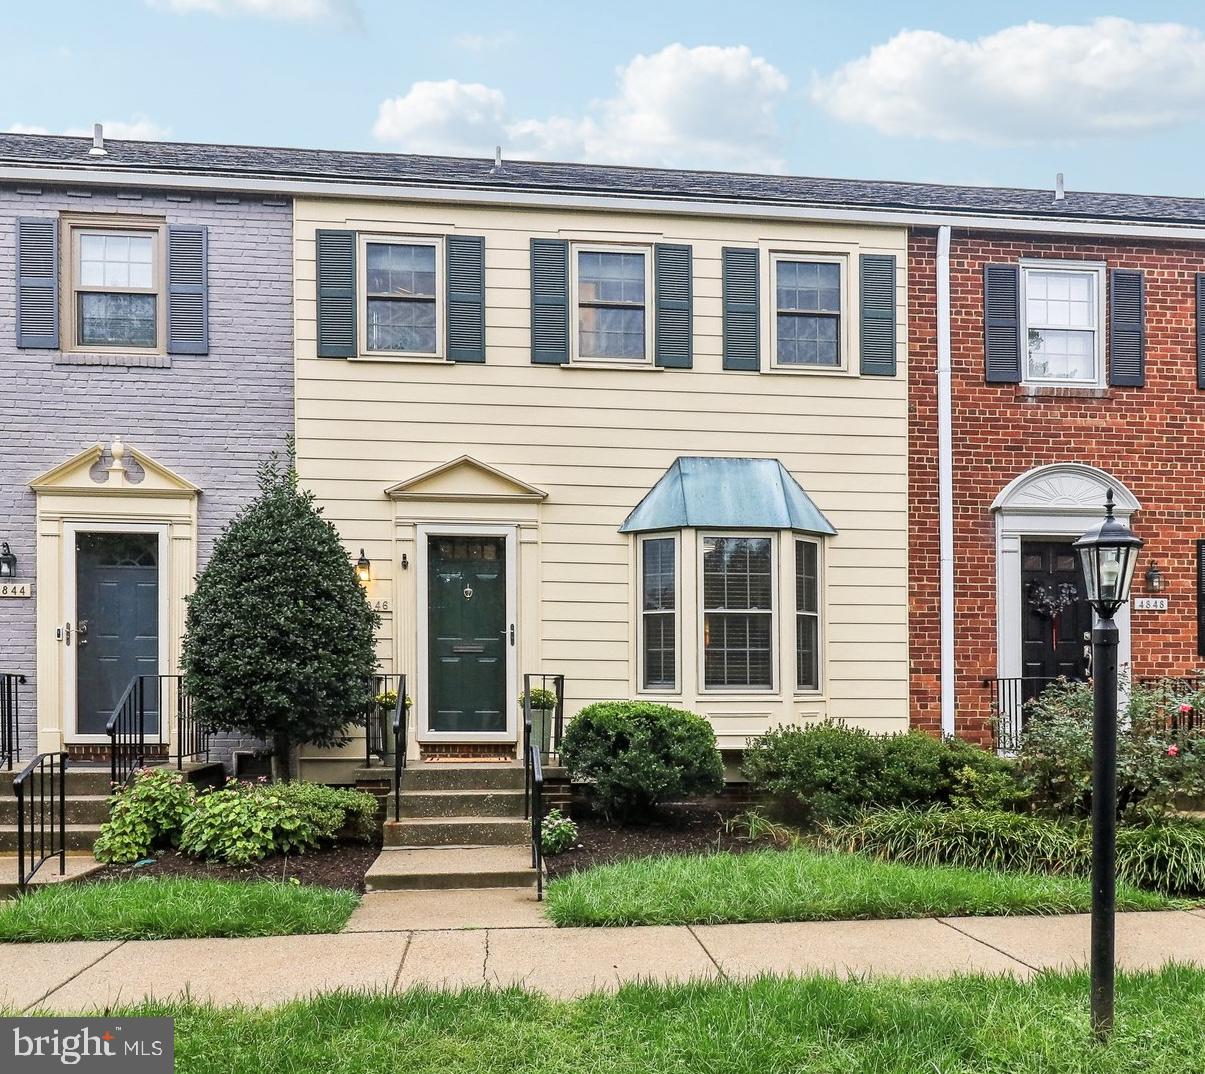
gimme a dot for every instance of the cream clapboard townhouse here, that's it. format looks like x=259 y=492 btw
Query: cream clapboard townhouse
x=643 y=429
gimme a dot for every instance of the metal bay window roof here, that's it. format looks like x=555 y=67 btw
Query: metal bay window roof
x=748 y=494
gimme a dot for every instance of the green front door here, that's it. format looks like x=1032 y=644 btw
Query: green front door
x=468 y=632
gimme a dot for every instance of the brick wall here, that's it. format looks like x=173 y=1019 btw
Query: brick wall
x=211 y=418
x=1152 y=439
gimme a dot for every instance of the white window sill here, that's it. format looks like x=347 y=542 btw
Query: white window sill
x=406 y=359
x=809 y=371
x=627 y=367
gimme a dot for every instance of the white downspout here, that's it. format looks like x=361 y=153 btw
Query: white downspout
x=945 y=481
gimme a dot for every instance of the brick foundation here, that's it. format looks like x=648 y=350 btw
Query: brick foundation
x=466 y=751
x=98 y=752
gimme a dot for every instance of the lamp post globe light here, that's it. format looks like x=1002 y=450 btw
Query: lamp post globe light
x=1108 y=554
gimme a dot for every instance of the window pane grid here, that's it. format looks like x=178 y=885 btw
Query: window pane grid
x=659 y=602
x=116 y=304
x=401 y=284
x=611 y=304
x=738 y=612
x=807 y=616
x=1061 y=325
x=807 y=313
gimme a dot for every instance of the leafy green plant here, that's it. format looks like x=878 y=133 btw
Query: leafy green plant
x=279 y=634
x=146 y=814
x=991 y=789
x=540 y=699
x=329 y=809
x=388 y=699
x=638 y=754
x=557 y=832
x=1168 y=856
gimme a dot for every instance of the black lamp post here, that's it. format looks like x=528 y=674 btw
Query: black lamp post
x=1108 y=553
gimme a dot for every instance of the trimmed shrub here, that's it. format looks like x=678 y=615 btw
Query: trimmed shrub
x=145 y=815
x=828 y=771
x=331 y=810
x=638 y=754
x=1168 y=856
x=972 y=838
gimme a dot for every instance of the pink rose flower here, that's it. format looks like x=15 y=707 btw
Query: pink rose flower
x=1186 y=708
x=1173 y=751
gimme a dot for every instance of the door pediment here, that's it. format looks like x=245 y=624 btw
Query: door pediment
x=466 y=480
x=79 y=475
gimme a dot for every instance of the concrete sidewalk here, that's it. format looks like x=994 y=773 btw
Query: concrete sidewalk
x=73 y=977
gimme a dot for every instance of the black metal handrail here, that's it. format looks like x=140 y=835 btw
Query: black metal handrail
x=377 y=725
x=192 y=736
x=1011 y=698
x=126 y=729
x=400 y=736
x=10 y=718
x=537 y=816
x=41 y=790
x=557 y=688
x=1176 y=690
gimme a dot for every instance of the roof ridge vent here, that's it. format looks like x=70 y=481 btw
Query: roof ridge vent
x=98 y=141
x=497 y=169
x=1059 y=192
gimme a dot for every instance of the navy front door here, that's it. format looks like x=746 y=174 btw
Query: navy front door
x=117 y=623
x=468 y=632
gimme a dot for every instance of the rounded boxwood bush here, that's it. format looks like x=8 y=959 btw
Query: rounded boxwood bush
x=638 y=753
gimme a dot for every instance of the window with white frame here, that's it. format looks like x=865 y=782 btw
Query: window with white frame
x=807 y=312
x=807 y=615
x=1062 y=325
x=659 y=613
x=738 y=611
x=401 y=287
x=612 y=295
x=115 y=288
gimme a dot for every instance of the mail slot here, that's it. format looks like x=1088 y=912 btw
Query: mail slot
x=468 y=648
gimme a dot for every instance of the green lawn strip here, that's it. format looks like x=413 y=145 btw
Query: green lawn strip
x=807 y=885
x=885 y=1026
x=151 y=908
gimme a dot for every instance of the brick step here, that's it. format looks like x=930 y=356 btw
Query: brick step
x=439 y=776
x=81 y=809
x=414 y=868
x=459 y=803
x=79 y=837
x=456 y=831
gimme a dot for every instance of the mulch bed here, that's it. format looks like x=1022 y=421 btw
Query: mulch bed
x=677 y=829
x=341 y=866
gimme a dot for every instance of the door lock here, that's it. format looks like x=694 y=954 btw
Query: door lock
x=81 y=633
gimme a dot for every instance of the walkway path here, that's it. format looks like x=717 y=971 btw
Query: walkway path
x=567 y=962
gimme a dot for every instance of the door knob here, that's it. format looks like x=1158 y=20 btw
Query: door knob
x=81 y=633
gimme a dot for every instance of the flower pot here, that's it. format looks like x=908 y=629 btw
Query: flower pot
x=541 y=730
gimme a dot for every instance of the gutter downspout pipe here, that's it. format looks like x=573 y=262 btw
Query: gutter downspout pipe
x=945 y=482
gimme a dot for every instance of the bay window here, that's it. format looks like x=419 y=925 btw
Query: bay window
x=738 y=612
x=807 y=615
x=659 y=613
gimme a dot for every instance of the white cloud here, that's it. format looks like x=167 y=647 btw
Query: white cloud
x=138 y=129
x=697 y=107
x=484 y=42
x=346 y=11
x=1026 y=83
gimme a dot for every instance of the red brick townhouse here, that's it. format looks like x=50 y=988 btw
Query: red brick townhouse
x=1057 y=352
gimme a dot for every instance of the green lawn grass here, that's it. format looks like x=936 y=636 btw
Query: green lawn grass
x=150 y=908
x=808 y=885
x=816 y=1025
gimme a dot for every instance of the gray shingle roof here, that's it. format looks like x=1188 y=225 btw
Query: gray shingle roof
x=260 y=162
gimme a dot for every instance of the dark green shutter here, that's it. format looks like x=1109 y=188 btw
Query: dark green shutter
x=1127 y=329
x=550 y=301
x=672 y=278
x=38 y=282
x=466 y=298
x=742 y=335
x=1002 y=323
x=1201 y=329
x=336 y=267
x=187 y=289
x=876 y=325
x=1200 y=598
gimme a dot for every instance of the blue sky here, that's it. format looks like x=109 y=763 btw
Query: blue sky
x=938 y=92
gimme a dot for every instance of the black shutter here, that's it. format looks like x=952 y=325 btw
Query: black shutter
x=673 y=282
x=1200 y=598
x=1127 y=329
x=876 y=325
x=1201 y=329
x=335 y=255
x=38 y=282
x=550 y=301
x=187 y=289
x=1002 y=323
x=742 y=336
x=466 y=298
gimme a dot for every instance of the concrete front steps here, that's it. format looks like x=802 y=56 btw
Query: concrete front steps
x=87 y=792
x=419 y=868
x=78 y=867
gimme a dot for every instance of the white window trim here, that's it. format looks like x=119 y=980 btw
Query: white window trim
x=1039 y=265
x=676 y=537
x=821 y=605
x=845 y=339
x=701 y=615
x=575 y=355
x=394 y=239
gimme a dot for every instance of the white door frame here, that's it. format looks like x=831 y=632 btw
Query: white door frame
x=71 y=529
x=423 y=534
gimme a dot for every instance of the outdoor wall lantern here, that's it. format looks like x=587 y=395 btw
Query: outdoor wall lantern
x=1108 y=553
x=363 y=569
x=1154 y=579
x=8 y=562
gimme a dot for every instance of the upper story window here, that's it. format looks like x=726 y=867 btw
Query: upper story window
x=807 y=313
x=659 y=613
x=115 y=288
x=1062 y=330
x=612 y=289
x=738 y=612
x=401 y=287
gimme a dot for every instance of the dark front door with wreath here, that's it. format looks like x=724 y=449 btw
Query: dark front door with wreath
x=1056 y=632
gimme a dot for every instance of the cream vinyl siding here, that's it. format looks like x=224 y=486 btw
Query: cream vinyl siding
x=597 y=439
